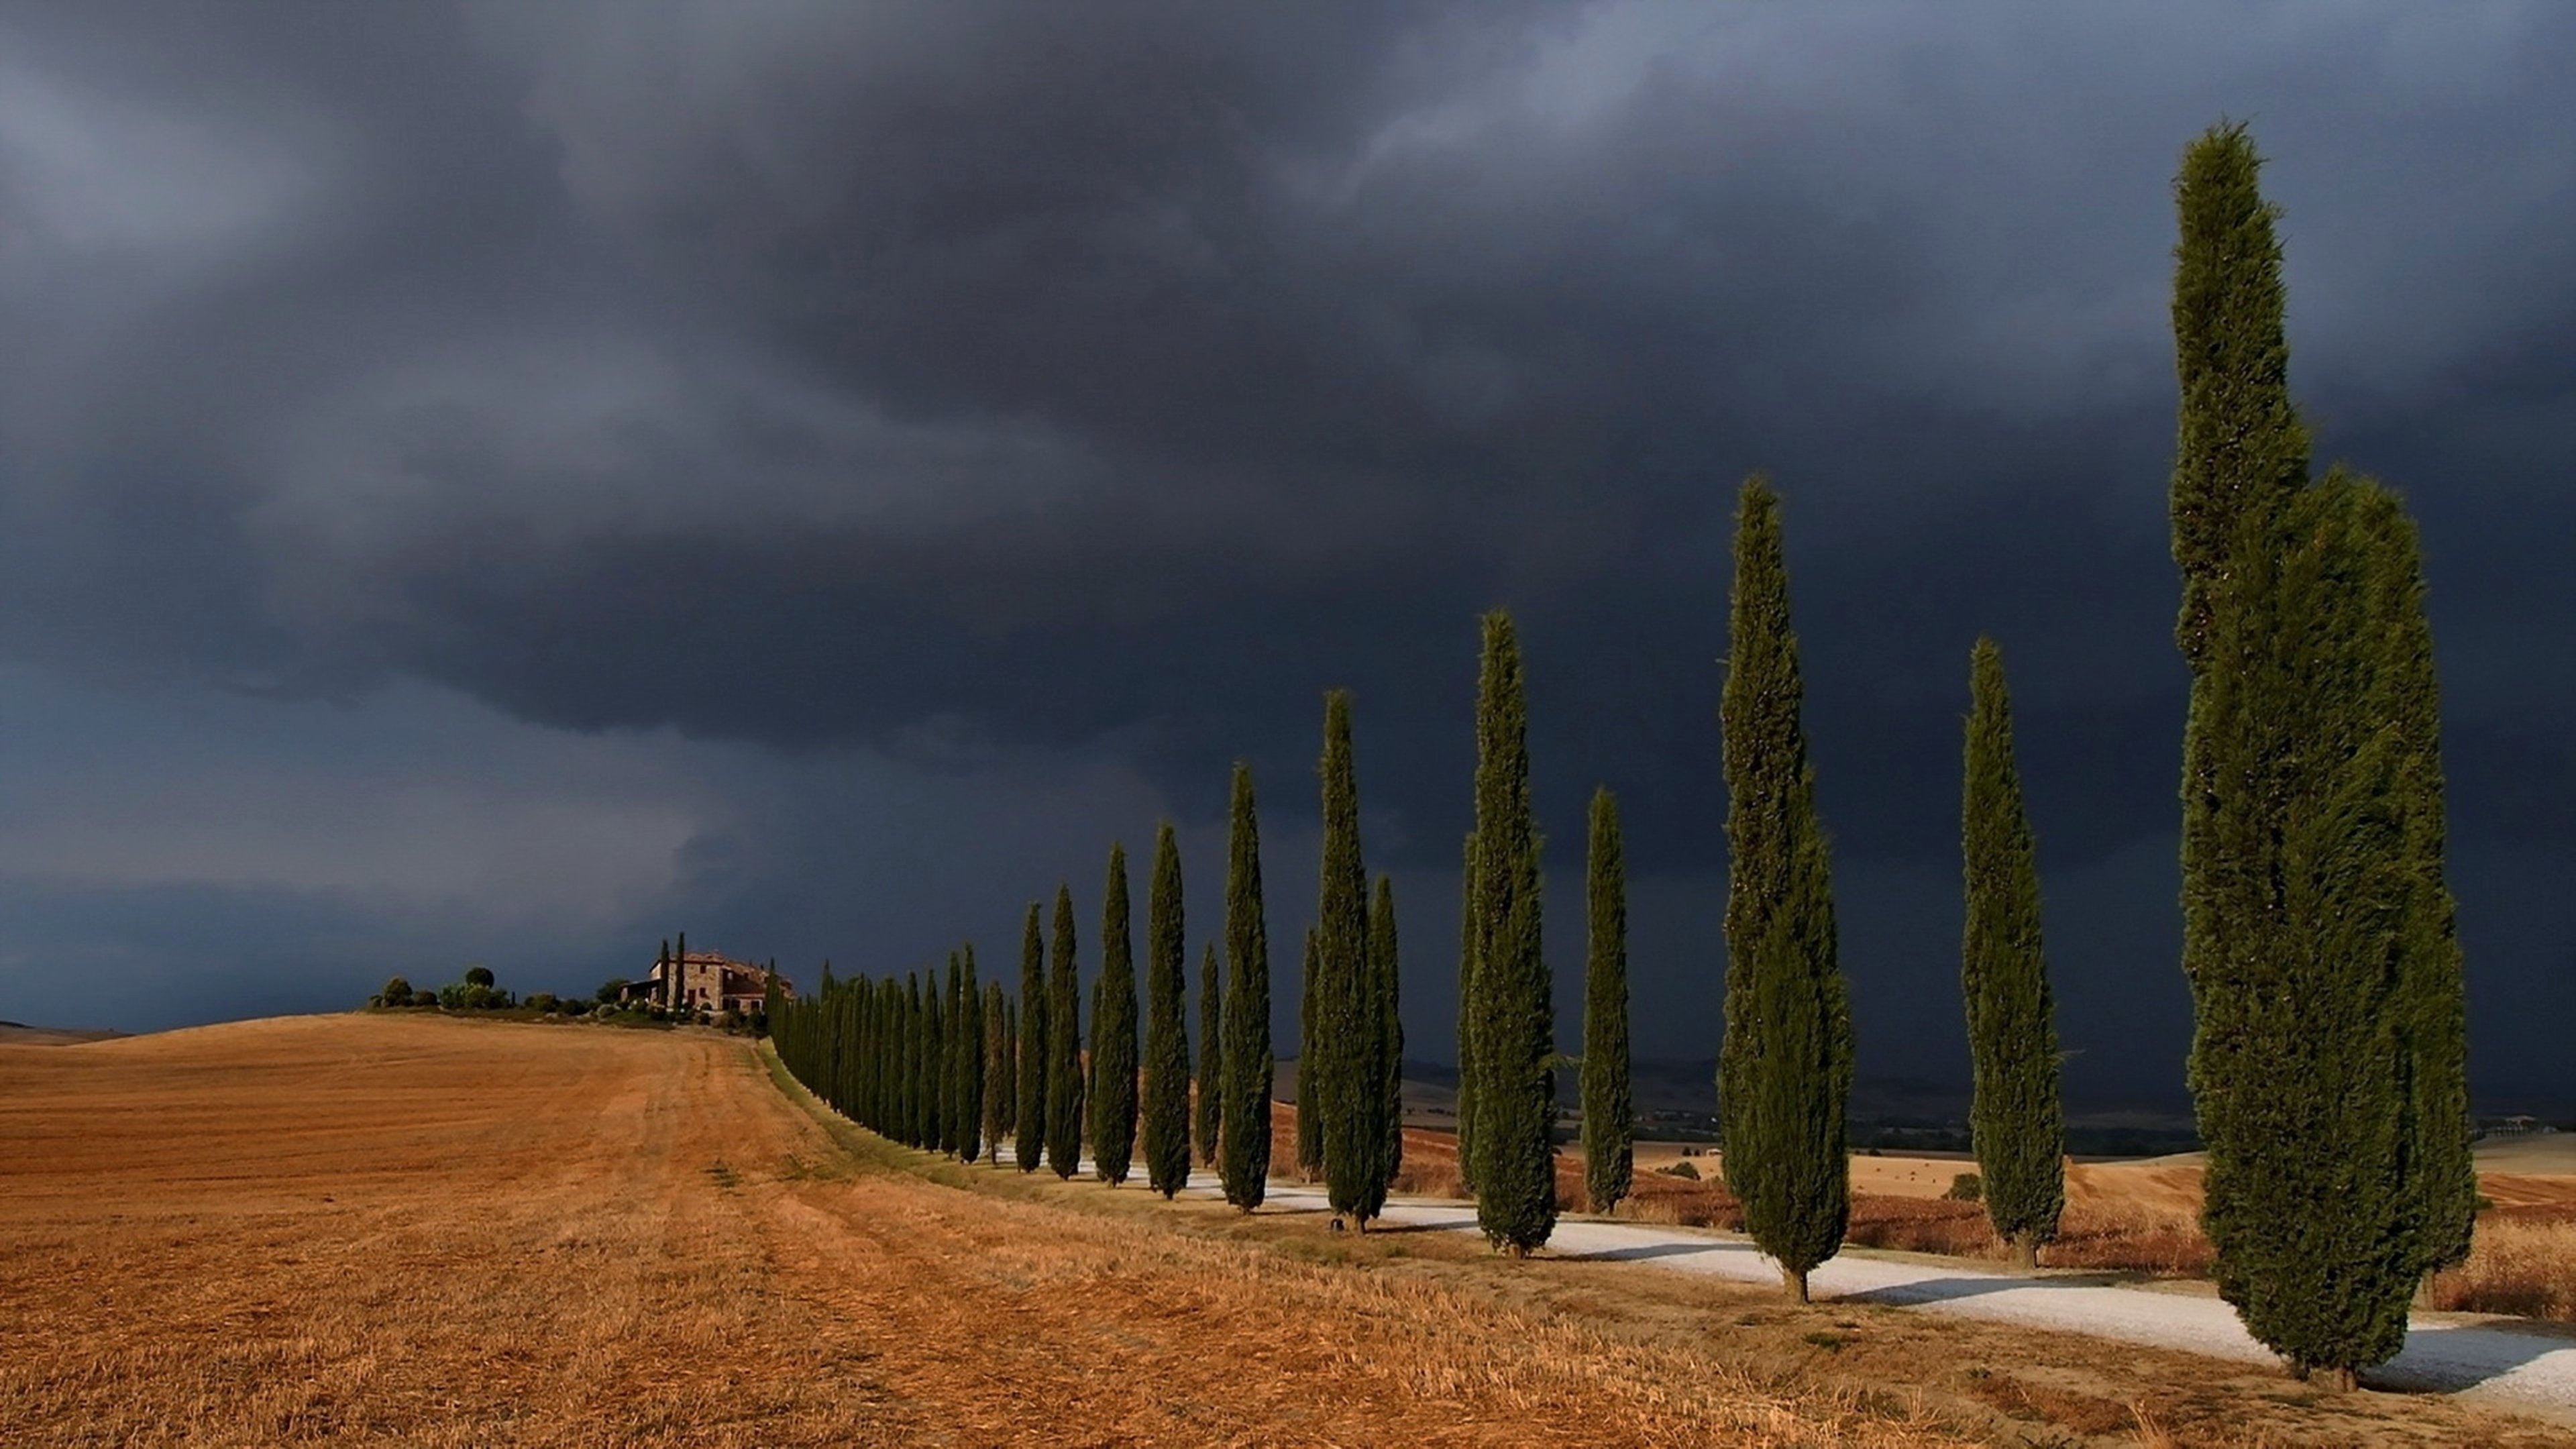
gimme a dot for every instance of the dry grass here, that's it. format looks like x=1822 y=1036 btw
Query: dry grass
x=2518 y=1263
x=448 y=1233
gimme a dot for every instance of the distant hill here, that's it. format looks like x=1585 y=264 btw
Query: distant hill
x=18 y=1033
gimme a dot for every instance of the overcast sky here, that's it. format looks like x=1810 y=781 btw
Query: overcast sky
x=509 y=482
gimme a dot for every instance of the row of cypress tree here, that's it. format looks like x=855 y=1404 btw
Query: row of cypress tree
x=2328 y=1066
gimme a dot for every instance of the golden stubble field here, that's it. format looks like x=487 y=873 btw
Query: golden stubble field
x=428 y=1231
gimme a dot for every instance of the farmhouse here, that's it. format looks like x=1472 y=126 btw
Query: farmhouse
x=711 y=980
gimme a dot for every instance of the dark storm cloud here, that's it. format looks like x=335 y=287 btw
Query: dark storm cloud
x=954 y=381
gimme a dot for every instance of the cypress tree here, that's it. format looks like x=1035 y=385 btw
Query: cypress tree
x=1211 y=1103
x=1513 y=1022
x=2443 y=1176
x=1029 y=1083
x=663 y=971
x=1609 y=1114
x=1167 y=1029
x=967 y=1060
x=1347 y=1039
x=934 y=1069
x=2305 y=1111
x=1785 y=1065
x=1386 y=988
x=1244 y=1135
x=2016 y=1120
x=1468 y=1076
x=1310 y=1089
x=1010 y=1071
x=1064 y=1046
x=916 y=1039
x=998 y=1069
x=1113 y=1039
x=771 y=1003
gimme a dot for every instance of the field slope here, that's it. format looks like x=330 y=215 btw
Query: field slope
x=429 y=1231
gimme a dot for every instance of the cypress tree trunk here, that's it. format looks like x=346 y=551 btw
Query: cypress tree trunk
x=1347 y=1037
x=1064 y=1046
x=1113 y=1040
x=1468 y=1075
x=2016 y=1120
x=1386 y=974
x=1244 y=1137
x=998 y=1070
x=1029 y=1091
x=1785 y=1065
x=1609 y=1112
x=1310 y=1089
x=967 y=1064
x=1211 y=1100
x=1513 y=1015
x=1167 y=1028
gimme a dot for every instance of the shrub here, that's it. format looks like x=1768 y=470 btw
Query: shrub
x=478 y=975
x=610 y=990
x=423 y=996
x=543 y=1001
x=1683 y=1169
x=397 y=992
x=1966 y=1187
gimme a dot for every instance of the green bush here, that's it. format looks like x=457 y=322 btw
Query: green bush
x=397 y=992
x=543 y=1001
x=423 y=996
x=610 y=990
x=478 y=976
x=1966 y=1187
x=1683 y=1169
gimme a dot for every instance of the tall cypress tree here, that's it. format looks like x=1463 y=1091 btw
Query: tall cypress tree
x=1348 y=1039
x=2307 y=1199
x=1167 y=1027
x=2016 y=1120
x=998 y=1070
x=1514 y=1017
x=1064 y=1045
x=966 y=1061
x=1029 y=1091
x=1785 y=1065
x=771 y=1003
x=1609 y=1113
x=1211 y=1103
x=1011 y=1050
x=1113 y=1039
x=1244 y=1136
x=2443 y=1181
x=1386 y=974
x=1310 y=1088
x=1468 y=1076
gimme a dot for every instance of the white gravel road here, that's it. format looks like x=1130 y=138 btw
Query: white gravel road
x=2531 y=1368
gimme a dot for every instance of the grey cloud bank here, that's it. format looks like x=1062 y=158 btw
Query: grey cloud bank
x=812 y=474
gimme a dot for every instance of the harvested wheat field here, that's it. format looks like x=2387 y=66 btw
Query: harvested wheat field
x=428 y=1231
